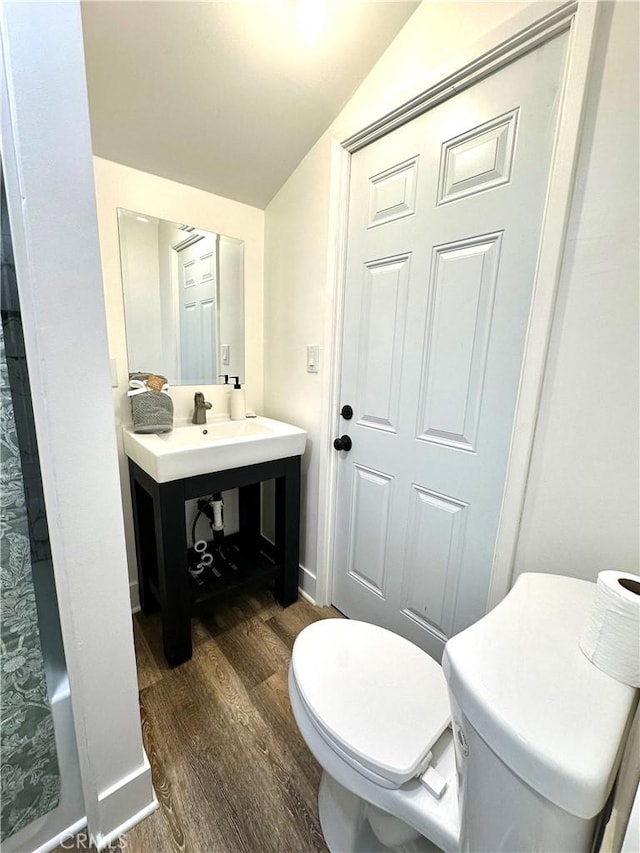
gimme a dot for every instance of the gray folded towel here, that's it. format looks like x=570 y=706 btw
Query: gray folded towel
x=152 y=411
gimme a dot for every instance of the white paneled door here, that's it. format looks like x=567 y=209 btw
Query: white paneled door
x=198 y=316
x=445 y=217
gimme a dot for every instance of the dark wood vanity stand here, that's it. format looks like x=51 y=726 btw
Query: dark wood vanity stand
x=161 y=544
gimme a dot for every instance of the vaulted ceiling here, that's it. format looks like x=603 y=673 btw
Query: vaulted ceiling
x=226 y=96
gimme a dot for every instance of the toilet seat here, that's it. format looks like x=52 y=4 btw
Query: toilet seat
x=379 y=701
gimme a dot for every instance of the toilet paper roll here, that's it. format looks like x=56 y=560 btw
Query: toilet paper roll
x=200 y=546
x=611 y=638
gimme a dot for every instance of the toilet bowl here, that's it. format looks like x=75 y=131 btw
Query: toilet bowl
x=493 y=751
x=374 y=711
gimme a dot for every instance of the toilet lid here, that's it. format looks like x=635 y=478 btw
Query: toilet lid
x=381 y=700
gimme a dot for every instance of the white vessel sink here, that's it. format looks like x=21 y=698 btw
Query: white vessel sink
x=190 y=450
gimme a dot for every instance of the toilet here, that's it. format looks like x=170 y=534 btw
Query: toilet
x=511 y=745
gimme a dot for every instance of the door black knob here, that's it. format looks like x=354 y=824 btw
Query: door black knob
x=343 y=443
x=346 y=412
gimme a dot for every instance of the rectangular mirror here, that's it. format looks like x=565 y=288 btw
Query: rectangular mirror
x=183 y=291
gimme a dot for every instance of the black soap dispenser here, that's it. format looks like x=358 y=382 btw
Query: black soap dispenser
x=238 y=408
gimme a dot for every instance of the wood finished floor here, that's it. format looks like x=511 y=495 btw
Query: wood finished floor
x=230 y=769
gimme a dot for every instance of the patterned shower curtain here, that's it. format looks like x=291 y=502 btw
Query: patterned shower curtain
x=28 y=757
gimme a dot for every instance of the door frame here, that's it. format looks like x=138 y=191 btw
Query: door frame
x=494 y=52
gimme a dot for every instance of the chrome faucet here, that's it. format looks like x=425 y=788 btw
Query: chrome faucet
x=200 y=406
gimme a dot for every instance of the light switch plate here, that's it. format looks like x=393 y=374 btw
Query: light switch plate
x=225 y=354
x=313 y=355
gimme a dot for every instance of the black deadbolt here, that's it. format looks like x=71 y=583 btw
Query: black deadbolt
x=343 y=443
x=346 y=412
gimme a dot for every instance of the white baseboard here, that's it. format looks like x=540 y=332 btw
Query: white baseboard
x=105 y=840
x=61 y=837
x=306 y=596
x=125 y=804
x=307 y=584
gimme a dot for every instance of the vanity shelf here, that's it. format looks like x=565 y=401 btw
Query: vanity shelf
x=163 y=557
x=237 y=568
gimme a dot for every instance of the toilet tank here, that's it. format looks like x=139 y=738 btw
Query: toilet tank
x=538 y=729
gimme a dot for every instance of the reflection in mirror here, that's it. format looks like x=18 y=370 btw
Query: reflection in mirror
x=183 y=300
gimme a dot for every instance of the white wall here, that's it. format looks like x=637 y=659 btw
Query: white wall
x=46 y=153
x=581 y=513
x=298 y=293
x=296 y=231
x=121 y=186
